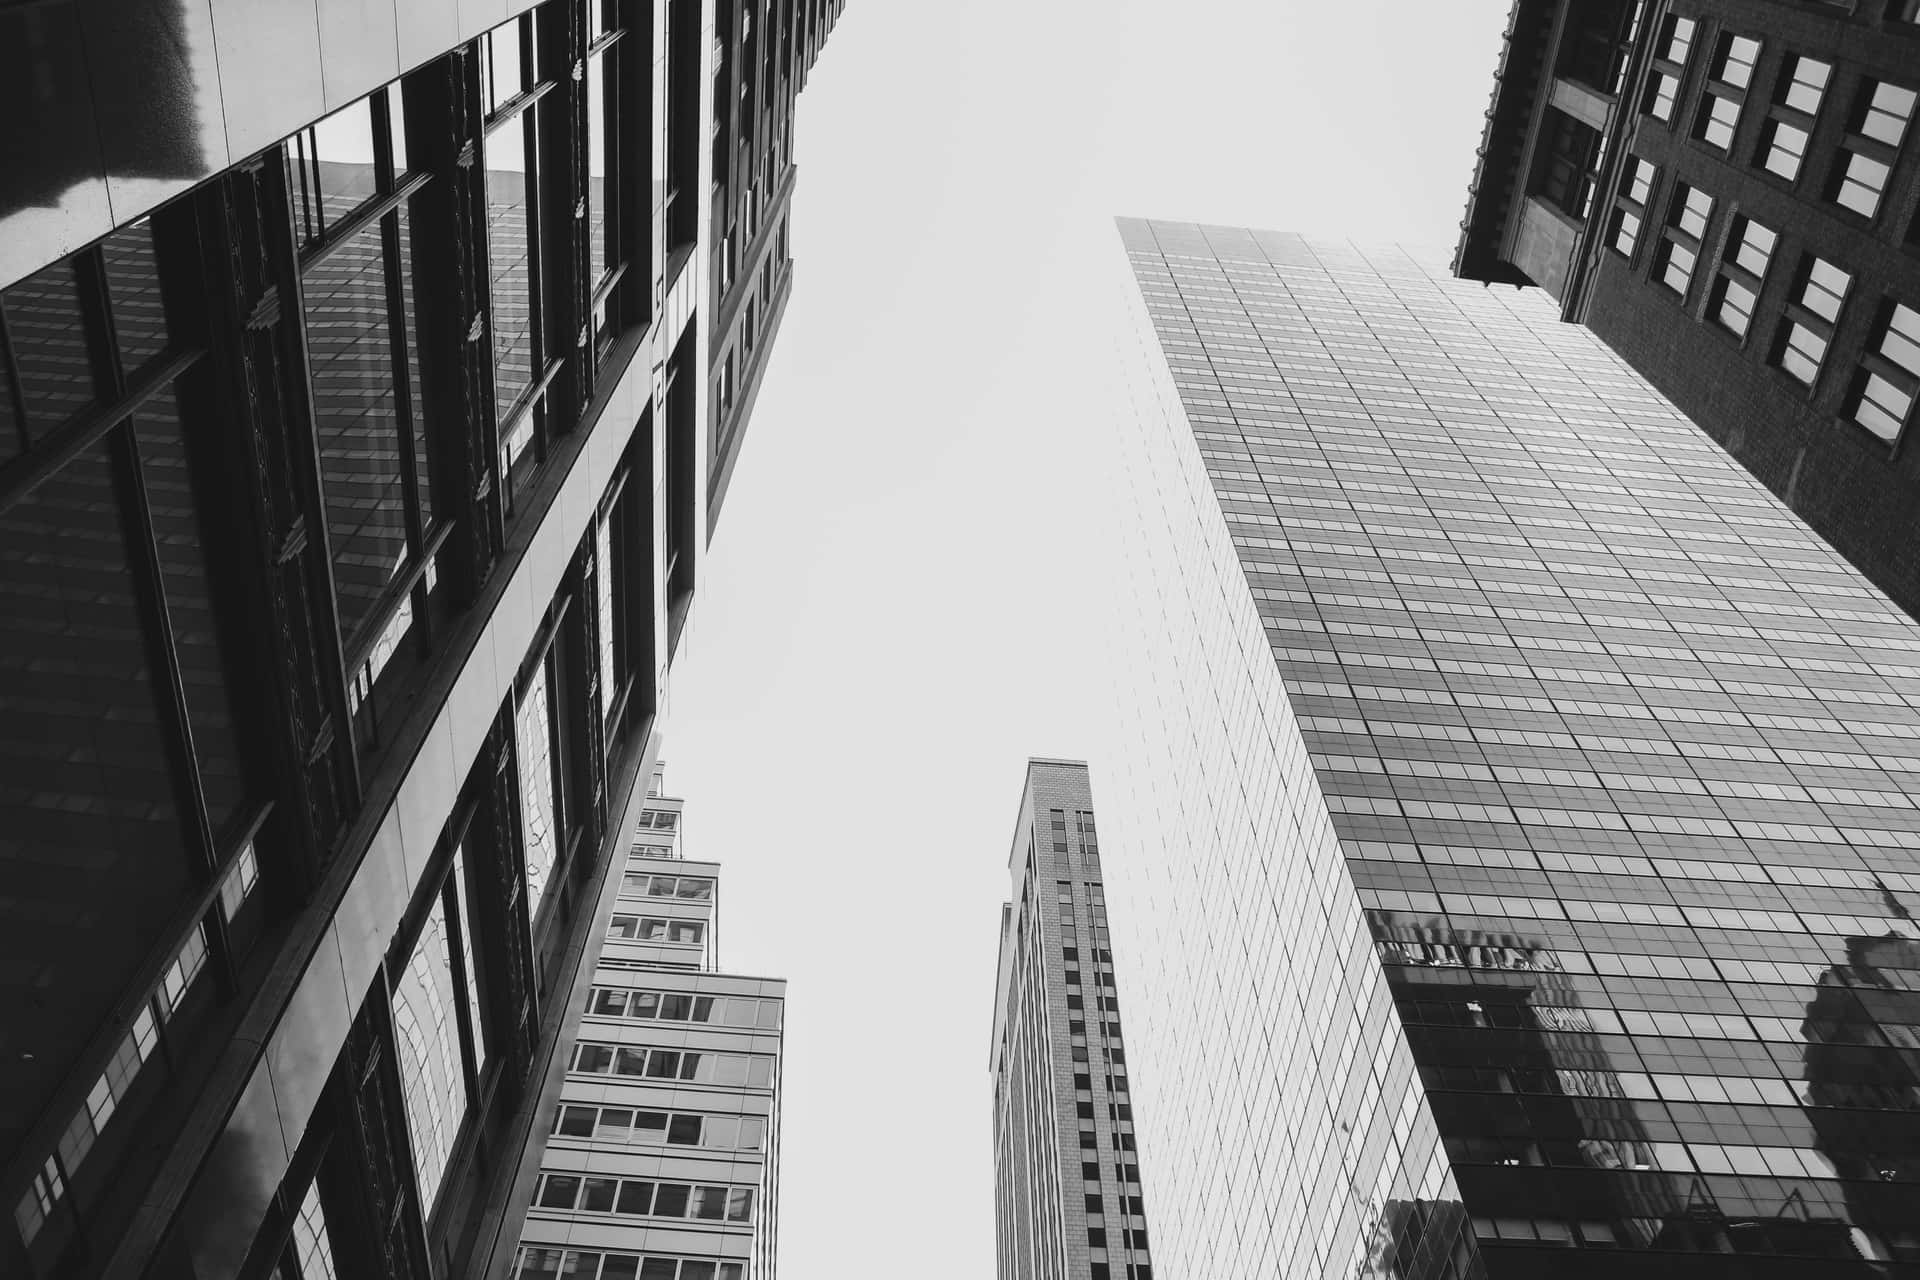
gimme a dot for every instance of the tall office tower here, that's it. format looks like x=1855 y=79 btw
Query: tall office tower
x=1517 y=840
x=657 y=1151
x=762 y=54
x=353 y=493
x=1066 y=1195
x=1726 y=192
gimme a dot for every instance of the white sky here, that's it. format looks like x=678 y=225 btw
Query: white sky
x=902 y=602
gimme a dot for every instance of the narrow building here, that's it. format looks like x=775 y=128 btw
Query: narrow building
x=1068 y=1203
x=655 y=1150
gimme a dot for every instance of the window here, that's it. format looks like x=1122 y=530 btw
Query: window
x=755 y=1070
x=1630 y=206
x=1783 y=139
x=1680 y=241
x=511 y=76
x=539 y=789
x=1804 y=84
x=534 y=1262
x=1730 y=74
x=363 y=347
x=427 y=1045
x=1670 y=55
x=1875 y=130
x=1742 y=273
x=607 y=130
x=1820 y=292
x=1884 y=388
x=639 y=1197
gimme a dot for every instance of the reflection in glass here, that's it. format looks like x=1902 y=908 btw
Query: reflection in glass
x=181 y=542
x=427 y=1040
x=92 y=850
x=330 y=169
x=312 y=1246
x=133 y=280
x=49 y=343
x=536 y=793
x=350 y=344
x=509 y=262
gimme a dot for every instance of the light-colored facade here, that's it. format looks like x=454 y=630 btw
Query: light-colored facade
x=660 y=1157
x=1067 y=1198
x=1516 y=827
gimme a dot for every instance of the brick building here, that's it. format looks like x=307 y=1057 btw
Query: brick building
x=1725 y=192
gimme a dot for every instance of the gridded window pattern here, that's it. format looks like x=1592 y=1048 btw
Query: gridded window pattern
x=1881 y=114
x=536 y=1263
x=1742 y=273
x=658 y=820
x=751 y=1069
x=1884 y=389
x=660 y=1128
x=637 y=884
x=1815 y=309
x=1630 y=207
x=1680 y=241
x=1623 y=757
x=656 y=929
x=644 y=1198
x=677 y=1006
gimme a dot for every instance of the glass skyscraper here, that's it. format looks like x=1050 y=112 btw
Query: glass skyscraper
x=1515 y=844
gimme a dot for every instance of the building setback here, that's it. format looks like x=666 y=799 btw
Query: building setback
x=1727 y=192
x=656 y=1149
x=1517 y=828
x=354 y=490
x=1067 y=1197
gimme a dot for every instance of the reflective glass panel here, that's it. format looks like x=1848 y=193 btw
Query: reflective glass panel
x=427 y=1046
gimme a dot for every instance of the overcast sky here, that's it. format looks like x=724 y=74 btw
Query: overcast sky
x=902 y=601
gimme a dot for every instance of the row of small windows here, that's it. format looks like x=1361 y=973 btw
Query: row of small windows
x=637 y=884
x=638 y=1197
x=673 y=1064
x=1669 y=1157
x=660 y=1128
x=535 y=1263
x=1876 y=127
x=624 y=928
x=674 y=1006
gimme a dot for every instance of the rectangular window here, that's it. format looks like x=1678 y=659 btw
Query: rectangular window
x=1630 y=206
x=1803 y=84
x=1783 y=148
x=427 y=1047
x=1883 y=112
x=1680 y=241
x=1742 y=273
x=1859 y=182
x=1719 y=116
x=1888 y=381
x=1875 y=130
x=533 y=750
x=1811 y=315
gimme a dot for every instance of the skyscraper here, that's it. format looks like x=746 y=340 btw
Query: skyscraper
x=354 y=374
x=1516 y=839
x=1726 y=194
x=1067 y=1199
x=655 y=1148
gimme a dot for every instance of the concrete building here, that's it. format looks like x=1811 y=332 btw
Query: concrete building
x=1726 y=192
x=655 y=1154
x=1516 y=802
x=354 y=487
x=1068 y=1203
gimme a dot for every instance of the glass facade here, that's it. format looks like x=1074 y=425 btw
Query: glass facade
x=1559 y=781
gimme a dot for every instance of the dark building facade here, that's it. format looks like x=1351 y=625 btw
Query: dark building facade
x=1067 y=1197
x=1727 y=192
x=1515 y=805
x=353 y=495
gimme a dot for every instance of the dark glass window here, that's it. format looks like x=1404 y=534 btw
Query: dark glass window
x=47 y=337
x=133 y=281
